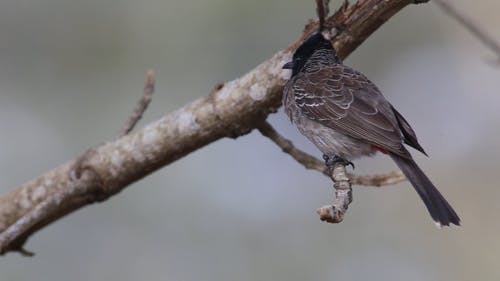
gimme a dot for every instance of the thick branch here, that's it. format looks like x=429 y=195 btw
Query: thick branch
x=230 y=111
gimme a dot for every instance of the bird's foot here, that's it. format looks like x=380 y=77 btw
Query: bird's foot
x=331 y=161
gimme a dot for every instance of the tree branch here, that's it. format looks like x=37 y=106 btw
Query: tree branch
x=232 y=110
x=142 y=104
x=313 y=163
x=306 y=160
x=342 y=180
x=335 y=212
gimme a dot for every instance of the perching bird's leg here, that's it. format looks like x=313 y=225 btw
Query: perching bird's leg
x=331 y=161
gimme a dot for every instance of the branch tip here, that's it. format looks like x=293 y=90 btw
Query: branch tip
x=24 y=252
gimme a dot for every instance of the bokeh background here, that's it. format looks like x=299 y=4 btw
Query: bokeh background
x=71 y=72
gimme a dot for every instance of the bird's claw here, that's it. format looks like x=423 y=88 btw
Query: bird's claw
x=331 y=161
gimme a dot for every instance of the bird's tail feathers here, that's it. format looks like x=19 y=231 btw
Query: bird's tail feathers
x=440 y=210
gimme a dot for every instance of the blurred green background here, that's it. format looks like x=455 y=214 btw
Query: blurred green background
x=71 y=72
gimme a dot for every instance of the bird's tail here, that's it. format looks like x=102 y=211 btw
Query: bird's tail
x=440 y=210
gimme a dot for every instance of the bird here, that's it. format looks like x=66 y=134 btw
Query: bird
x=346 y=116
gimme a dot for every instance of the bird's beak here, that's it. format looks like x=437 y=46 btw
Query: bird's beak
x=288 y=65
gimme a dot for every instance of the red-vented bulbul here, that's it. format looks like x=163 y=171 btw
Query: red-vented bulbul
x=346 y=116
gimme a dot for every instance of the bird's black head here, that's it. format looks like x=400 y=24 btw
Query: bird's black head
x=316 y=42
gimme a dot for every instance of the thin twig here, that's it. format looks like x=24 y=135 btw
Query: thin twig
x=313 y=163
x=322 y=9
x=142 y=104
x=307 y=160
x=390 y=178
x=470 y=25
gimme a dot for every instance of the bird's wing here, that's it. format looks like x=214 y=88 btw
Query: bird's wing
x=345 y=100
x=410 y=138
